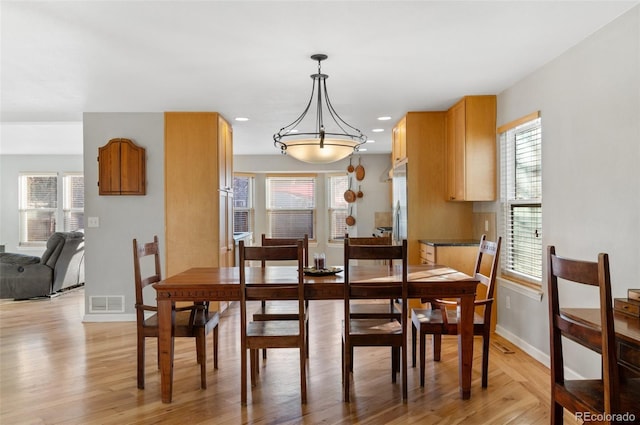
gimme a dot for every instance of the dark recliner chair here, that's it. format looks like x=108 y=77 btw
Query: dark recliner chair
x=60 y=267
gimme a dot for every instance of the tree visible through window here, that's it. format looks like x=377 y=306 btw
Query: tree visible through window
x=522 y=199
x=291 y=203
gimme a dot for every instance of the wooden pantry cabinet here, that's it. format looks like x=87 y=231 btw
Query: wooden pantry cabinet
x=471 y=149
x=198 y=191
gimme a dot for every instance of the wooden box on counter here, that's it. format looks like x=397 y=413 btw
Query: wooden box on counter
x=627 y=306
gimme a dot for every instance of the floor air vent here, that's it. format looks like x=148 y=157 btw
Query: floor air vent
x=106 y=304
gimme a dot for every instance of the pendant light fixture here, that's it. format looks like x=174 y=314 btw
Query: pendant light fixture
x=319 y=142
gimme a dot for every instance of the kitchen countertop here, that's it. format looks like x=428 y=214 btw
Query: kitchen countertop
x=241 y=235
x=450 y=242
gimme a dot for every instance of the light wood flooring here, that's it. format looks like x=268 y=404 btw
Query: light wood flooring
x=57 y=370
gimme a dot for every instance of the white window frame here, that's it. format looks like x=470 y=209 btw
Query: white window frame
x=273 y=210
x=25 y=210
x=249 y=208
x=338 y=209
x=69 y=209
x=522 y=256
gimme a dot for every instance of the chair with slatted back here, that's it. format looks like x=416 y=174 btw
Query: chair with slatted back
x=262 y=334
x=282 y=310
x=380 y=332
x=440 y=320
x=194 y=321
x=605 y=396
x=373 y=310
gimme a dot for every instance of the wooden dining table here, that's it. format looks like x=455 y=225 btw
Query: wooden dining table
x=222 y=284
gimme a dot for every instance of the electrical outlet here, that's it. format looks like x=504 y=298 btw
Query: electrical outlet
x=508 y=302
x=93 y=221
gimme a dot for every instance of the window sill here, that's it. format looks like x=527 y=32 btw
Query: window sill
x=529 y=291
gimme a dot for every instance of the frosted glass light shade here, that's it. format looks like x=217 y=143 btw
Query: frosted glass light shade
x=309 y=150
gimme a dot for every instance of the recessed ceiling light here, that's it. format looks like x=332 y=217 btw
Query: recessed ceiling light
x=362 y=150
x=378 y=130
x=371 y=141
x=293 y=131
x=384 y=118
x=242 y=119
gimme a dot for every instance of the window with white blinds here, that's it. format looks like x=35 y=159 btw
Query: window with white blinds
x=291 y=206
x=43 y=210
x=38 y=206
x=521 y=193
x=338 y=207
x=243 y=209
x=73 y=201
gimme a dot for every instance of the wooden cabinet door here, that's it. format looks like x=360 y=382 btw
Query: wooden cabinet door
x=121 y=168
x=132 y=169
x=225 y=155
x=456 y=152
x=399 y=142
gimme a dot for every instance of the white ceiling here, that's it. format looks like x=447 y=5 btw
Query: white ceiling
x=251 y=59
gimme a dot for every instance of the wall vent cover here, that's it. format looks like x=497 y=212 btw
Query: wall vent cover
x=106 y=304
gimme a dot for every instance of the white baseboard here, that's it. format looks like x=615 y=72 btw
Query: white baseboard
x=534 y=352
x=90 y=318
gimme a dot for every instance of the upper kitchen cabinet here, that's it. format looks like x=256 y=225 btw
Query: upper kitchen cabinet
x=399 y=143
x=225 y=157
x=121 y=168
x=198 y=191
x=471 y=149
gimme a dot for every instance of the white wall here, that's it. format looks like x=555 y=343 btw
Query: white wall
x=589 y=99
x=10 y=167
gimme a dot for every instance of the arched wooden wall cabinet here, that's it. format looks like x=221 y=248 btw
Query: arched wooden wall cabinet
x=121 y=168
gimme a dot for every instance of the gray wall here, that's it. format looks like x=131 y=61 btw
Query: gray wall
x=589 y=100
x=108 y=257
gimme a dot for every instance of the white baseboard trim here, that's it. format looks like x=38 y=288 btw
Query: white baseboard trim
x=91 y=318
x=534 y=352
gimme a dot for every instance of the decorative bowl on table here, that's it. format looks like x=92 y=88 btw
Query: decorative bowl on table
x=312 y=271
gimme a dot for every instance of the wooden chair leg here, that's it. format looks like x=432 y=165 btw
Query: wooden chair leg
x=303 y=374
x=557 y=412
x=437 y=344
x=485 y=359
x=394 y=363
x=141 y=353
x=201 y=350
x=423 y=356
x=413 y=344
x=243 y=375
x=253 y=359
x=215 y=347
x=346 y=369
x=403 y=361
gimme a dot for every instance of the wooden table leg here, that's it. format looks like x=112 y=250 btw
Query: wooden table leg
x=165 y=343
x=465 y=345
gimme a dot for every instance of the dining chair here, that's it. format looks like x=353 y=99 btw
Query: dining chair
x=380 y=332
x=261 y=334
x=373 y=310
x=193 y=321
x=283 y=310
x=442 y=318
x=609 y=394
